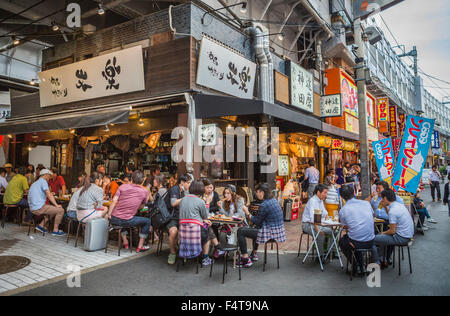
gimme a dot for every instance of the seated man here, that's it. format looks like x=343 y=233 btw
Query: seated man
x=57 y=183
x=423 y=213
x=38 y=195
x=16 y=189
x=128 y=199
x=401 y=226
x=375 y=200
x=316 y=203
x=173 y=200
x=357 y=218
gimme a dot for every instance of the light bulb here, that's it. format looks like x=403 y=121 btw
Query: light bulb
x=244 y=8
x=100 y=9
x=141 y=122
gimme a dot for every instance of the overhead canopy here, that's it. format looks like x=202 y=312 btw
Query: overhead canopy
x=77 y=119
x=211 y=106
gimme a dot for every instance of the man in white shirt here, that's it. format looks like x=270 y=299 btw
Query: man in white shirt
x=312 y=175
x=357 y=218
x=401 y=226
x=316 y=203
x=435 y=180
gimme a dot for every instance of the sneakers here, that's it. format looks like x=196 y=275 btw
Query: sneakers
x=246 y=263
x=218 y=253
x=432 y=221
x=254 y=257
x=59 y=233
x=41 y=229
x=172 y=258
x=207 y=261
x=143 y=249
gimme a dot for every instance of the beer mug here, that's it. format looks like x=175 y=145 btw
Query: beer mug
x=317 y=216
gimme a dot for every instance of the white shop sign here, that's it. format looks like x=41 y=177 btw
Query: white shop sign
x=110 y=74
x=5 y=105
x=223 y=70
x=331 y=105
x=302 y=94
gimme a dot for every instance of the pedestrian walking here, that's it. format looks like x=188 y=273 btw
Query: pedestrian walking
x=435 y=178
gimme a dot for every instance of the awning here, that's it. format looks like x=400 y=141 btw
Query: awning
x=75 y=119
x=212 y=106
x=336 y=131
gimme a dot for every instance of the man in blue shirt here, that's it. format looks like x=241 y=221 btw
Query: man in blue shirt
x=357 y=218
x=312 y=175
x=375 y=202
x=401 y=227
x=37 y=198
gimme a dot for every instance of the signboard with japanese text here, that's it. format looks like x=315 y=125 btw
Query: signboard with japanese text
x=383 y=108
x=5 y=105
x=372 y=134
x=393 y=121
x=349 y=95
x=102 y=76
x=351 y=123
x=331 y=105
x=401 y=124
x=413 y=153
x=221 y=69
x=435 y=141
x=370 y=104
x=301 y=84
x=363 y=8
x=384 y=155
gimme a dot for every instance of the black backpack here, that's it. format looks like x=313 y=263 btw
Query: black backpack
x=159 y=214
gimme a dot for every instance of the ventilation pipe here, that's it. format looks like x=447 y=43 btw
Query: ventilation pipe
x=258 y=44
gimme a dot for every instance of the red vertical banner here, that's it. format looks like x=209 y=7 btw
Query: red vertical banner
x=393 y=121
x=401 y=124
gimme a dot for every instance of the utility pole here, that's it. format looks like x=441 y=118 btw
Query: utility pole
x=361 y=85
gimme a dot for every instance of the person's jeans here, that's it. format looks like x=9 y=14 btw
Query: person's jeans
x=136 y=221
x=344 y=244
x=311 y=188
x=247 y=232
x=422 y=214
x=435 y=185
x=384 y=241
x=307 y=229
x=22 y=203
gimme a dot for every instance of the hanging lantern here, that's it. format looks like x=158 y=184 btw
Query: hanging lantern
x=324 y=141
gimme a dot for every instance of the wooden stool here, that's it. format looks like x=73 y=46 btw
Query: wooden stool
x=403 y=257
x=365 y=251
x=19 y=216
x=119 y=229
x=36 y=220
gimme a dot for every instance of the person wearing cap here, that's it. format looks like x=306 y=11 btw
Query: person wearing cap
x=57 y=183
x=37 y=197
x=9 y=171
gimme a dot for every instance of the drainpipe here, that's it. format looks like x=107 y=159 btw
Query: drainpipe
x=257 y=34
x=271 y=93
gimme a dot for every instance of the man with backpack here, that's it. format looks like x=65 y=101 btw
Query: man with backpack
x=173 y=200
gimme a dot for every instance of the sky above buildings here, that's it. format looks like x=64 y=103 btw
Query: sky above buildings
x=425 y=24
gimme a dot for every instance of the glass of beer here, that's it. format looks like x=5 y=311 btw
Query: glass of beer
x=317 y=216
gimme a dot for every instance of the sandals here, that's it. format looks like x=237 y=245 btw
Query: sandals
x=143 y=249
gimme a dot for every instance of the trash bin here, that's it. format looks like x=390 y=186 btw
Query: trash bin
x=287 y=210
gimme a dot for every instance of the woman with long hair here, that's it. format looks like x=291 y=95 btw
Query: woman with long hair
x=30 y=174
x=90 y=200
x=232 y=204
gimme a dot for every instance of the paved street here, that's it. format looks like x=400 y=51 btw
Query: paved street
x=150 y=275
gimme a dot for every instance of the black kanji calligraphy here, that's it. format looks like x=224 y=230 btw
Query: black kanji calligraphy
x=82 y=76
x=110 y=73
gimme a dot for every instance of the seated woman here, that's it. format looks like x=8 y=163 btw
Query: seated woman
x=211 y=197
x=231 y=205
x=90 y=200
x=270 y=225
x=195 y=229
